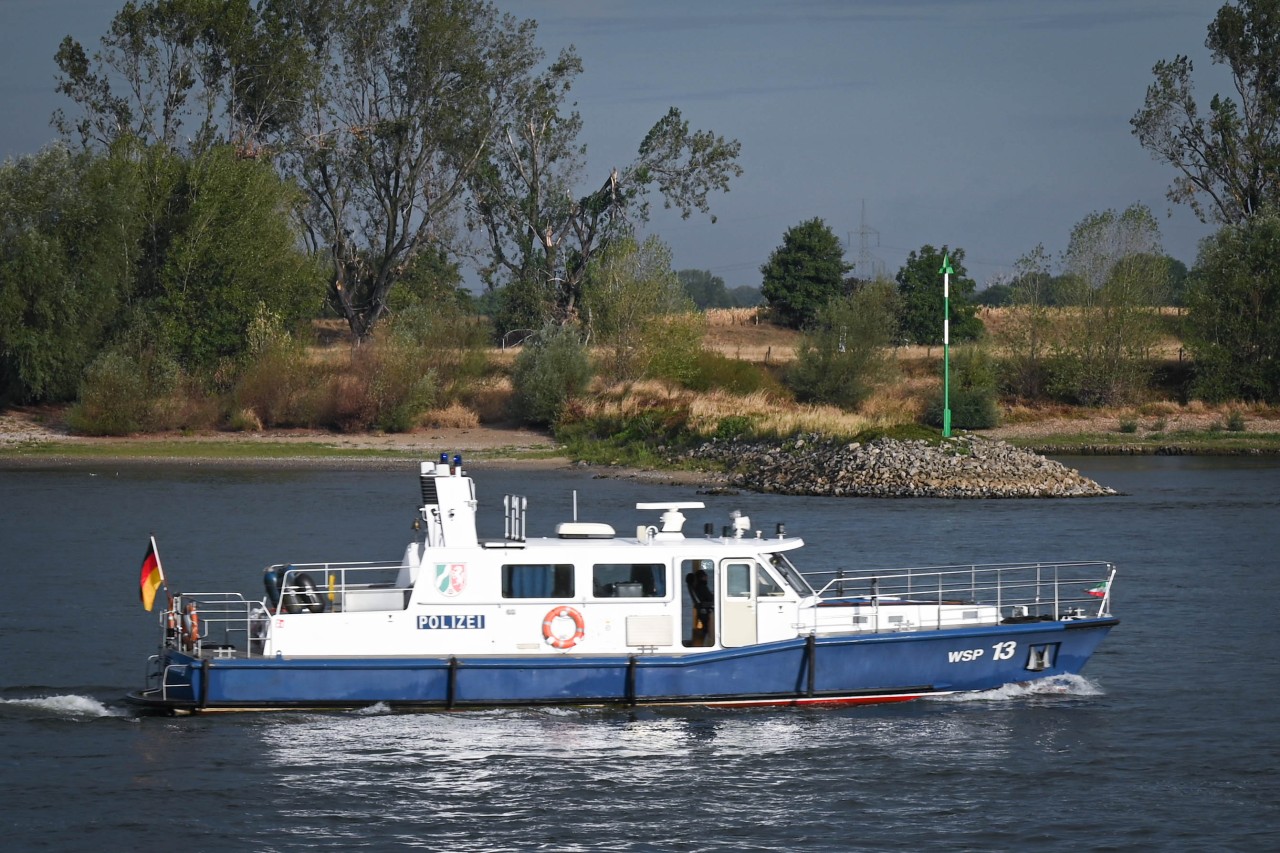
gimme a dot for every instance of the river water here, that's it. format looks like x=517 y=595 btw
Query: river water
x=1170 y=741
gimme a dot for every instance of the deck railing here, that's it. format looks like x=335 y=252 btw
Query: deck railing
x=344 y=586
x=214 y=623
x=226 y=624
x=1016 y=591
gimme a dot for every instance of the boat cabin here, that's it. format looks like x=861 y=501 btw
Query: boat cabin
x=584 y=590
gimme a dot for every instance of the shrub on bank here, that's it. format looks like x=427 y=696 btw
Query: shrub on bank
x=551 y=370
x=734 y=426
x=124 y=393
x=281 y=388
x=419 y=360
x=842 y=359
x=641 y=438
x=713 y=371
x=973 y=392
x=970 y=409
x=390 y=383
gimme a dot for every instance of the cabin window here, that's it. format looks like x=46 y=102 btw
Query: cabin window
x=687 y=569
x=765 y=584
x=629 y=580
x=791 y=574
x=522 y=580
x=738 y=580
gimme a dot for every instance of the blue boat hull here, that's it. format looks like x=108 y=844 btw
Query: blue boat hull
x=823 y=669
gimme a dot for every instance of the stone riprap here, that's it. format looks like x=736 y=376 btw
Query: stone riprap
x=961 y=467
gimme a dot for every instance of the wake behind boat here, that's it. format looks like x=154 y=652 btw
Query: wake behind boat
x=588 y=616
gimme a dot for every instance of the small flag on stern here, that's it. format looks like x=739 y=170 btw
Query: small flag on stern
x=1099 y=591
x=152 y=577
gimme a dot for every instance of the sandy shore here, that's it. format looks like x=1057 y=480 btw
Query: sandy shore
x=503 y=448
x=18 y=428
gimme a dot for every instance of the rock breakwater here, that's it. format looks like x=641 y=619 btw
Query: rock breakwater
x=961 y=467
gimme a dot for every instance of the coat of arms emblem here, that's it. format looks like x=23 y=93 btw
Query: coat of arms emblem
x=451 y=578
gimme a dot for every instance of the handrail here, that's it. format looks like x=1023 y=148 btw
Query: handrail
x=375 y=585
x=224 y=621
x=231 y=625
x=1056 y=590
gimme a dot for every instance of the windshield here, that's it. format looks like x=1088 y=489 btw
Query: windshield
x=791 y=574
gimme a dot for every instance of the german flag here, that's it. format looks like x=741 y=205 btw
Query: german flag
x=152 y=577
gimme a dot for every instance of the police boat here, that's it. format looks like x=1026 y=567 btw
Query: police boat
x=589 y=616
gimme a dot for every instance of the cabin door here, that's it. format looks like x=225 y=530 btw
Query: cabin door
x=737 y=603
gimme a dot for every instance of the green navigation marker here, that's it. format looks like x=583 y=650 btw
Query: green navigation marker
x=946 y=272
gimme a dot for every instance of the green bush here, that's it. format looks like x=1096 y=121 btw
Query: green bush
x=713 y=370
x=898 y=432
x=124 y=393
x=1233 y=325
x=734 y=426
x=653 y=427
x=671 y=345
x=279 y=386
x=1088 y=381
x=444 y=335
x=973 y=392
x=970 y=409
x=842 y=360
x=1022 y=377
x=643 y=439
x=390 y=384
x=552 y=369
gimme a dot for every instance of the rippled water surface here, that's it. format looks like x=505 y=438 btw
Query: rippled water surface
x=1171 y=741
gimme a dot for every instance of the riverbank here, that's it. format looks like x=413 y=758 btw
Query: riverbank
x=26 y=436
x=1168 y=431
x=38 y=438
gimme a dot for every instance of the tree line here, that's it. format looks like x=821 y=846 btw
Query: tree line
x=1084 y=334
x=387 y=141
x=227 y=171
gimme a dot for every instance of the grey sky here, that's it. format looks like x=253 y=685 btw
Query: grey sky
x=992 y=125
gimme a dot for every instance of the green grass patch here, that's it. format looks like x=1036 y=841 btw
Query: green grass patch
x=901 y=432
x=640 y=442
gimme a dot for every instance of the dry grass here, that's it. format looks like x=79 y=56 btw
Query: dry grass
x=769 y=414
x=740 y=333
x=743 y=334
x=1021 y=413
x=903 y=401
x=996 y=320
x=1162 y=417
x=490 y=398
x=453 y=416
x=734 y=316
x=331 y=343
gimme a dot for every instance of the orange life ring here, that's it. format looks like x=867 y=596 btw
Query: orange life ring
x=556 y=641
